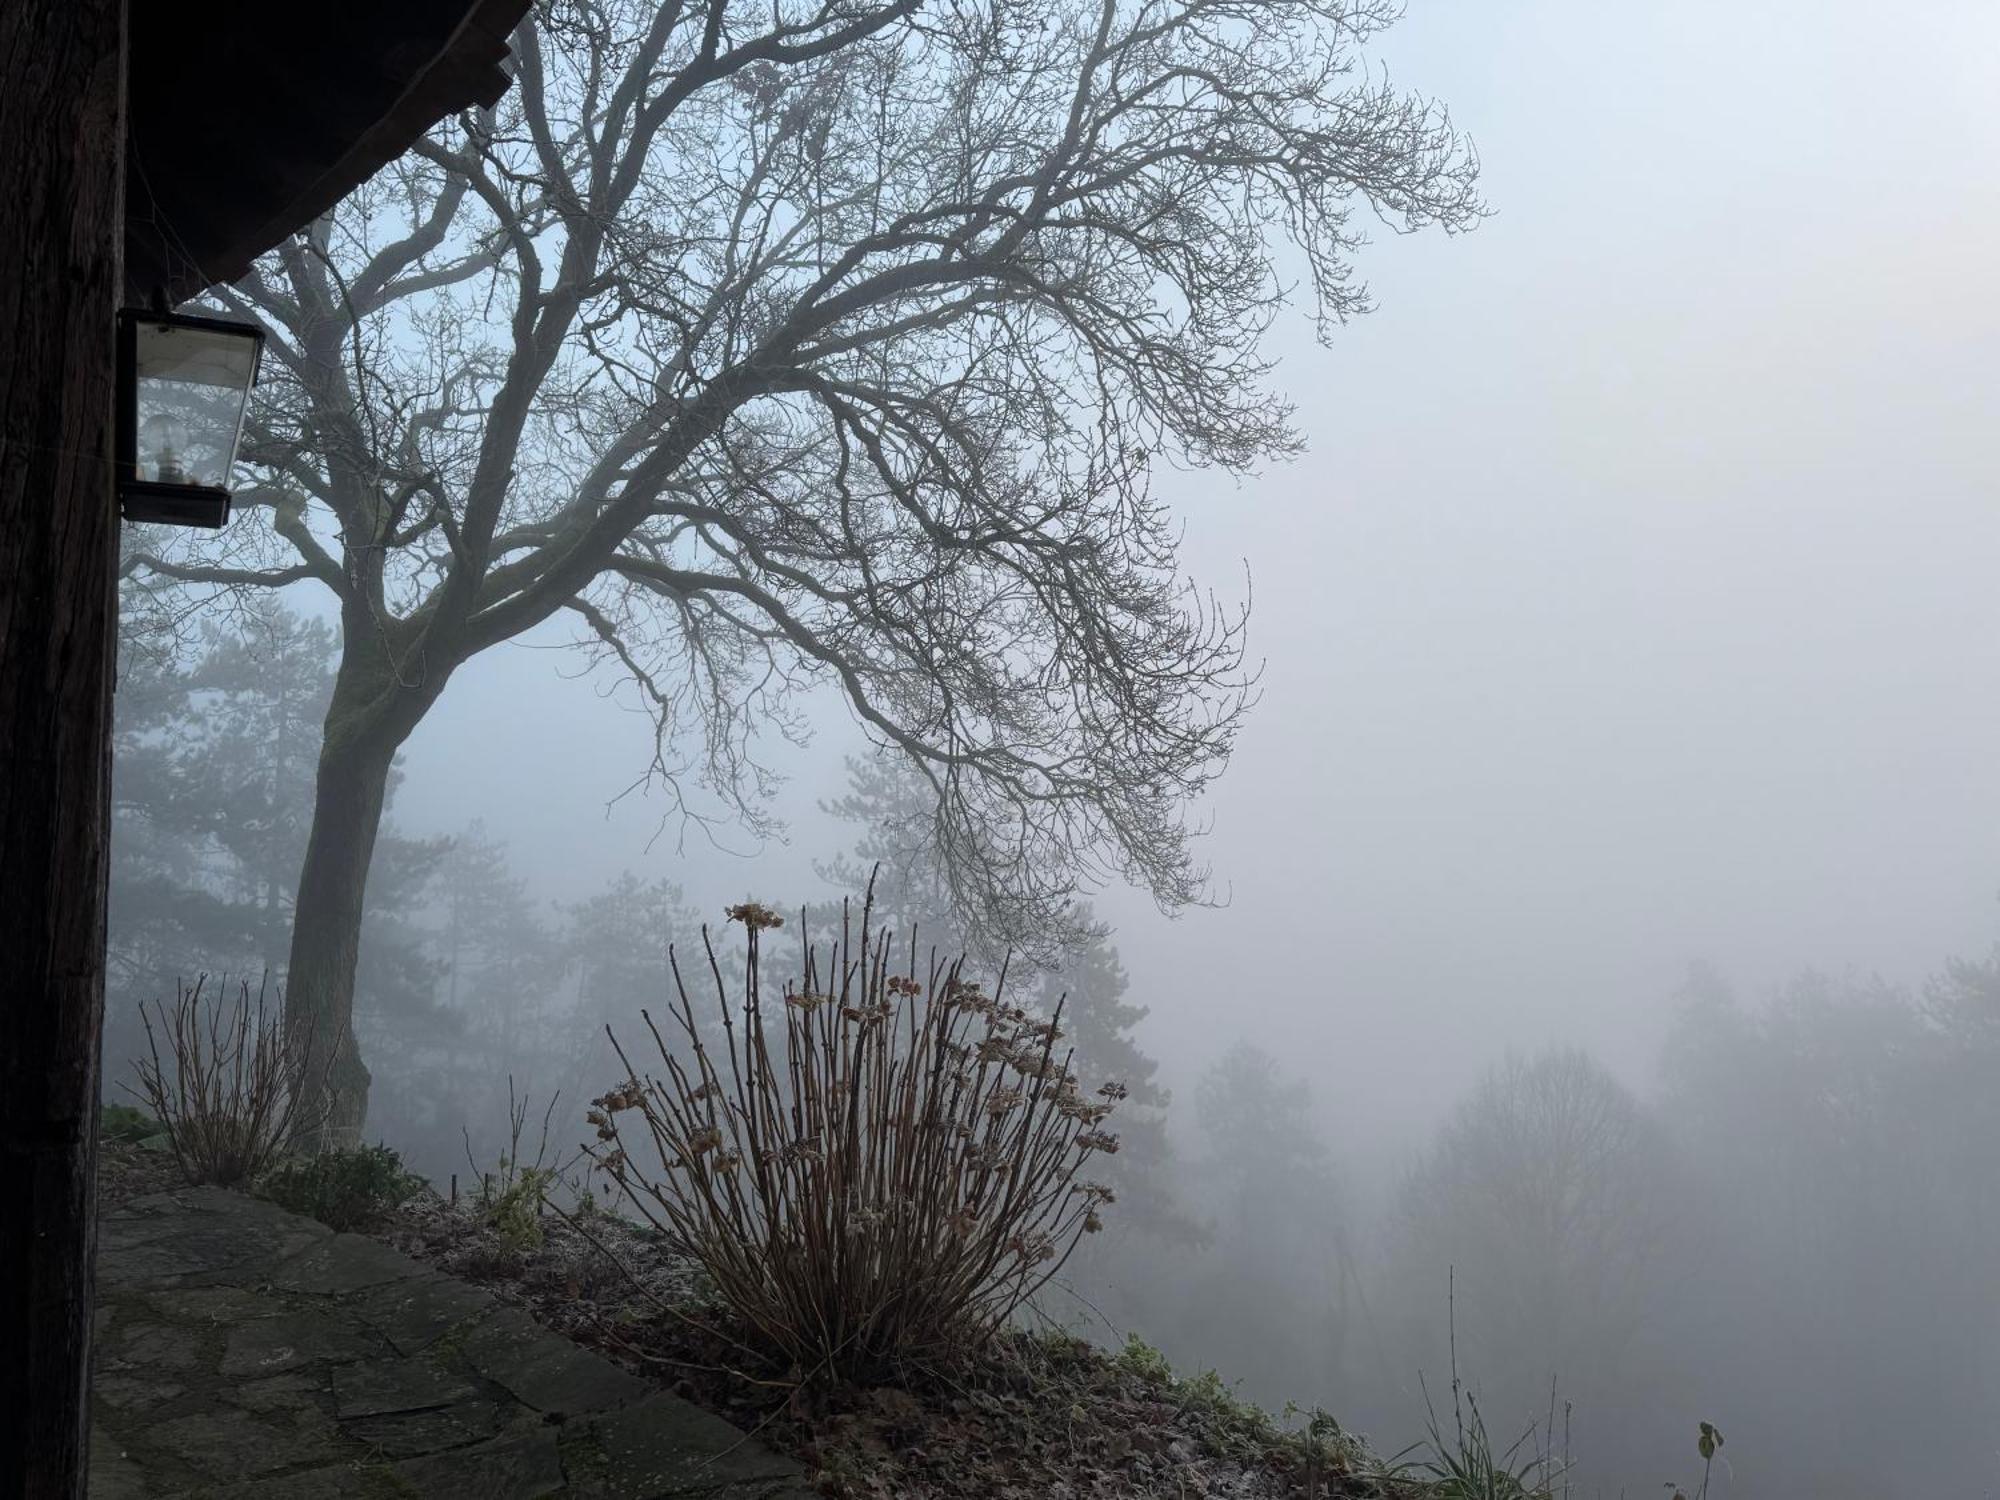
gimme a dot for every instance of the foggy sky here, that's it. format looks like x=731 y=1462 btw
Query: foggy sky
x=1639 y=600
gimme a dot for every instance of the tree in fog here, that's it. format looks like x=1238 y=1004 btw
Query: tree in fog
x=499 y=961
x=1271 y=1294
x=820 y=342
x=1066 y=957
x=500 y=956
x=615 y=947
x=214 y=751
x=960 y=896
x=1552 y=1198
x=1842 y=1133
x=1101 y=1019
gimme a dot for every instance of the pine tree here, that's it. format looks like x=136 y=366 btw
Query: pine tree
x=1070 y=960
x=1091 y=986
x=615 y=947
x=916 y=863
x=1278 y=1221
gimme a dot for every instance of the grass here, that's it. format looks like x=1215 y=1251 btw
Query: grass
x=1465 y=1463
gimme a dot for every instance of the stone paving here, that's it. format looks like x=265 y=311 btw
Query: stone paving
x=243 y=1351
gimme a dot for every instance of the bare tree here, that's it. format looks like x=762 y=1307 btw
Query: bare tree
x=1554 y=1201
x=821 y=342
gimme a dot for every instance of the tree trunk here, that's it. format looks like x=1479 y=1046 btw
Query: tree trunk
x=61 y=239
x=326 y=925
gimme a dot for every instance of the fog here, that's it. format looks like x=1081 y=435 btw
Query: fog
x=1633 y=615
x=1633 y=605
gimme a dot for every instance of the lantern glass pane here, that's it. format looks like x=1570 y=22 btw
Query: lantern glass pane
x=191 y=390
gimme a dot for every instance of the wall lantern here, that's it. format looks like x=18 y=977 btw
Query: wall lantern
x=183 y=387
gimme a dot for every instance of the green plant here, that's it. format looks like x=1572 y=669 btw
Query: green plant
x=344 y=1189
x=1141 y=1359
x=873 y=1169
x=235 y=1091
x=124 y=1123
x=515 y=1211
x=511 y=1196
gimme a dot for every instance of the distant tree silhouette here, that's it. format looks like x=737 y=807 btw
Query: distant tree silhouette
x=615 y=945
x=1553 y=1199
x=1273 y=1295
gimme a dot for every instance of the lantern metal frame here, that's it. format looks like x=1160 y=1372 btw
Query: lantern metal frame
x=159 y=502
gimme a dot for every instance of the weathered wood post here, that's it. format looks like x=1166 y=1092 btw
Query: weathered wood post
x=62 y=133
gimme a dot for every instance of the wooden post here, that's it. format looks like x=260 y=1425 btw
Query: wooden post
x=62 y=132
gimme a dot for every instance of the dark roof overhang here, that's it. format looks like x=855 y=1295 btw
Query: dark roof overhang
x=249 y=118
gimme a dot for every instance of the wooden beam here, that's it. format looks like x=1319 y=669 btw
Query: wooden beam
x=62 y=105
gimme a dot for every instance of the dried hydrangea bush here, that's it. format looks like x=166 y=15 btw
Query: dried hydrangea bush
x=874 y=1169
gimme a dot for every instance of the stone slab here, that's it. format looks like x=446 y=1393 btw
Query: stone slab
x=345 y=1263
x=410 y=1434
x=271 y=1346
x=547 y=1373
x=664 y=1447
x=383 y=1386
x=246 y=1353
x=521 y=1467
x=414 y=1315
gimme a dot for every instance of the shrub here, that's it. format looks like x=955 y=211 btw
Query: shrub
x=872 y=1170
x=126 y=1125
x=344 y=1189
x=235 y=1090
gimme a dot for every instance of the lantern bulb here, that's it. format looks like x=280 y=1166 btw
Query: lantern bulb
x=164 y=439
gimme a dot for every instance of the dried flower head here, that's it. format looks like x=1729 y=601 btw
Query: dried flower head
x=1032 y=1248
x=1113 y=1091
x=900 y=985
x=754 y=915
x=628 y=1095
x=1034 y=1064
x=1098 y=1140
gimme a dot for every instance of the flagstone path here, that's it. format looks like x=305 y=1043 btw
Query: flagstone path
x=243 y=1351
